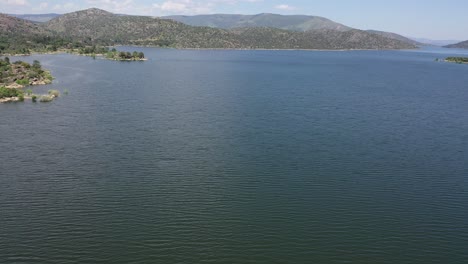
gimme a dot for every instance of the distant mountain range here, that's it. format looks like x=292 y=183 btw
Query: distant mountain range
x=98 y=27
x=434 y=42
x=460 y=45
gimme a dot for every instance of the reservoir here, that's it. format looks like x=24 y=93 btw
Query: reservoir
x=225 y=156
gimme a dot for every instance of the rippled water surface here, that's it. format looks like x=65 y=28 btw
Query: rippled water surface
x=239 y=157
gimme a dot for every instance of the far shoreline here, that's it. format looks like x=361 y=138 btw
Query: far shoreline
x=214 y=49
x=263 y=49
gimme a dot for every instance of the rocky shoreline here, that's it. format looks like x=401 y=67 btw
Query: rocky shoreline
x=9 y=99
x=14 y=77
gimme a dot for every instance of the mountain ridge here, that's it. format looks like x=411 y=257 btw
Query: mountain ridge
x=286 y=22
x=40 y=18
x=230 y=21
x=98 y=27
x=395 y=36
x=300 y=23
x=459 y=45
x=435 y=42
x=142 y=30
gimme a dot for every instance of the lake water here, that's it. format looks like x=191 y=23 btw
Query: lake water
x=239 y=157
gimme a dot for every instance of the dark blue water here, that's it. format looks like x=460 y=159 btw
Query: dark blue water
x=239 y=157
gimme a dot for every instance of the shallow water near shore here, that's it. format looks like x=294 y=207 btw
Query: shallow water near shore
x=212 y=156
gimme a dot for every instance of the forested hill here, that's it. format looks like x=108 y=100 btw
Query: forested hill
x=105 y=27
x=287 y=22
x=99 y=27
x=20 y=36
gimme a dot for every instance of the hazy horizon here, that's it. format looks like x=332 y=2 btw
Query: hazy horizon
x=438 y=21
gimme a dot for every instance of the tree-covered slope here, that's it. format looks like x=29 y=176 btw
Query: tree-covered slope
x=287 y=22
x=20 y=36
x=106 y=28
x=317 y=39
x=299 y=23
x=97 y=27
x=395 y=36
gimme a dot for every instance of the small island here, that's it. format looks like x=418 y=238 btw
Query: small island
x=111 y=54
x=14 y=77
x=459 y=60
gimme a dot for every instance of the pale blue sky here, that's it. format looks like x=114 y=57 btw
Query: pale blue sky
x=445 y=19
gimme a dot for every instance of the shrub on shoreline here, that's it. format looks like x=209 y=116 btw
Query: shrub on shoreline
x=55 y=93
x=23 y=82
x=7 y=92
x=46 y=99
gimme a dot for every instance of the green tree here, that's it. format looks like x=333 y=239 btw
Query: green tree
x=36 y=65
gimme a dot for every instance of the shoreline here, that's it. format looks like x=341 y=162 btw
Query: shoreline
x=103 y=56
x=20 y=75
x=262 y=49
x=68 y=52
x=176 y=48
x=448 y=61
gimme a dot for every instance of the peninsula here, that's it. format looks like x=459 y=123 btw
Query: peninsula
x=20 y=74
x=14 y=77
